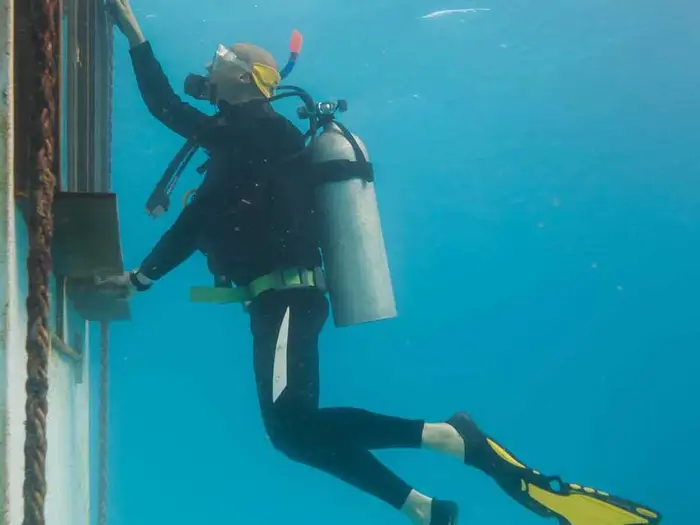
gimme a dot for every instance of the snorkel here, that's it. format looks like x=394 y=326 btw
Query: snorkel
x=295 y=44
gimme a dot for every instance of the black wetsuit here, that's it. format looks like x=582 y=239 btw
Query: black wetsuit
x=254 y=214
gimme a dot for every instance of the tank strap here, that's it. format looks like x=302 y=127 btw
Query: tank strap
x=342 y=170
x=279 y=280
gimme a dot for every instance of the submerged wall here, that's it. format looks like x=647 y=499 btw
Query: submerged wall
x=68 y=426
x=68 y=492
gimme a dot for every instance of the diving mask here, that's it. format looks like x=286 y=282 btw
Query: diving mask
x=227 y=63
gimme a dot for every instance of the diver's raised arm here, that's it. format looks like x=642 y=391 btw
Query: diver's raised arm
x=156 y=91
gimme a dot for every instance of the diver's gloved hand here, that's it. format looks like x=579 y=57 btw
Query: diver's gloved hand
x=124 y=285
x=124 y=18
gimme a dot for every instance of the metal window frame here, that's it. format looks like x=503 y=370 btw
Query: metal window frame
x=88 y=84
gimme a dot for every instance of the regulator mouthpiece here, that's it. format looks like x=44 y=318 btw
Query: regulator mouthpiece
x=197 y=86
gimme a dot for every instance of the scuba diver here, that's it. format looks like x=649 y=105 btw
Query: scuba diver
x=290 y=230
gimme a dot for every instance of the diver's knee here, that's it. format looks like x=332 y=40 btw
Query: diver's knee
x=289 y=436
x=281 y=438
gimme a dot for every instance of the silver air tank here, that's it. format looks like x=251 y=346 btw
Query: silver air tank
x=354 y=255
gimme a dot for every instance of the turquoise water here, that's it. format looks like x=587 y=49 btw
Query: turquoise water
x=538 y=180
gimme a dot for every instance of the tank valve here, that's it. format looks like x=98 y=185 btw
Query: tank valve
x=323 y=109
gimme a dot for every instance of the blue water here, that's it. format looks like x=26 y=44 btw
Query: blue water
x=538 y=178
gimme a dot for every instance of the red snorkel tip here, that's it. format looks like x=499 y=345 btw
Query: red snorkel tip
x=295 y=42
x=294 y=50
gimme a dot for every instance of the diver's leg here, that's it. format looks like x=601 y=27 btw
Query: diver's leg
x=298 y=318
x=286 y=330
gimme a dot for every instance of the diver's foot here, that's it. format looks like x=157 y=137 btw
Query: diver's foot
x=423 y=510
x=443 y=512
x=443 y=438
x=483 y=453
x=477 y=451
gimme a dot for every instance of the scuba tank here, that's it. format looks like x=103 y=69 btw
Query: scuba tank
x=352 y=243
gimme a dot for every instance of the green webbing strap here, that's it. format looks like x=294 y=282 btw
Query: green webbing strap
x=278 y=280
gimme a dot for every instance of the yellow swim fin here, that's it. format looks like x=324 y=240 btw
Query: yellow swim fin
x=547 y=496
